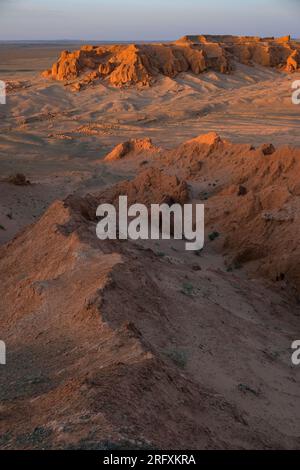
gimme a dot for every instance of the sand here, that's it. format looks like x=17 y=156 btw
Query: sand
x=198 y=347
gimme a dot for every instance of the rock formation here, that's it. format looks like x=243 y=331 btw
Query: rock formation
x=262 y=230
x=140 y=64
x=132 y=148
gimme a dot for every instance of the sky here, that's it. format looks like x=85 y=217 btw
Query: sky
x=127 y=20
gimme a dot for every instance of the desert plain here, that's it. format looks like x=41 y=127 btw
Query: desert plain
x=142 y=344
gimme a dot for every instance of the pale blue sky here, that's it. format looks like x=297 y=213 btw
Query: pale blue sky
x=145 y=20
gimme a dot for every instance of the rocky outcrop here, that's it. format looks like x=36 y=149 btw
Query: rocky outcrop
x=130 y=65
x=131 y=149
x=261 y=232
x=140 y=64
x=151 y=186
x=293 y=61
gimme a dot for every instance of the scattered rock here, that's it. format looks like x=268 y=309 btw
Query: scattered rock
x=242 y=191
x=18 y=179
x=268 y=149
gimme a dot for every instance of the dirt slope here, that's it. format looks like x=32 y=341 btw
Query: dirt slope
x=122 y=344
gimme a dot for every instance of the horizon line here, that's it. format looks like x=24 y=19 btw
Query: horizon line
x=139 y=40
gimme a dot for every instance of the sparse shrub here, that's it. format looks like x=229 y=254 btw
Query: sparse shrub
x=234 y=265
x=246 y=389
x=178 y=356
x=187 y=289
x=213 y=235
x=39 y=435
x=18 y=179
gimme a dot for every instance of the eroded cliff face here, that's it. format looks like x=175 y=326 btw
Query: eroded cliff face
x=134 y=64
x=251 y=195
x=140 y=64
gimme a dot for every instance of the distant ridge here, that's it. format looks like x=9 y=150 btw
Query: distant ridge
x=141 y=63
